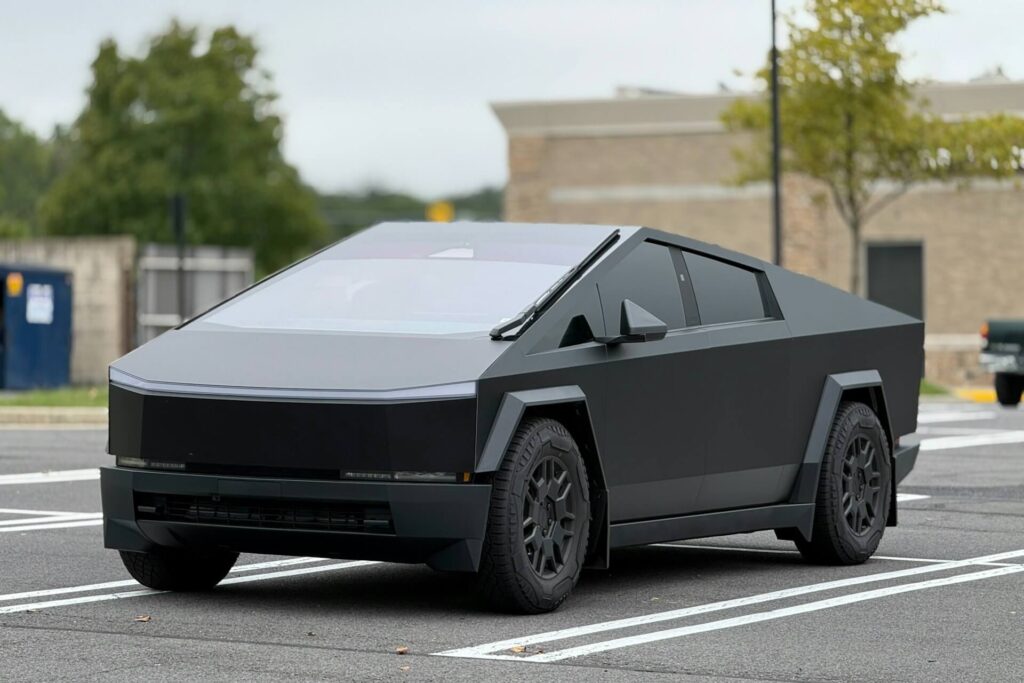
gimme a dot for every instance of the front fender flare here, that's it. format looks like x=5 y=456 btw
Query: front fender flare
x=514 y=406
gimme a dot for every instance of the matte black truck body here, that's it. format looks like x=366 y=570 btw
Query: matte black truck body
x=383 y=446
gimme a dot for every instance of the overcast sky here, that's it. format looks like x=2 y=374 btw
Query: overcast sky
x=396 y=92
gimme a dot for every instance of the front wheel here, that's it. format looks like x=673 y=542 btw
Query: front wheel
x=179 y=570
x=852 y=505
x=1008 y=388
x=539 y=521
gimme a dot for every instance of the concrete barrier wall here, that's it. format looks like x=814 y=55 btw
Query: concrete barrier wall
x=103 y=281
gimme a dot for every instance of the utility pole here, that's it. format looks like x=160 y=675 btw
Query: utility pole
x=178 y=224
x=776 y=144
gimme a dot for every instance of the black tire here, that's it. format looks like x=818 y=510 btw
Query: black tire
x=1008 y=389
x=529 y=577
x=854 y=490
x=179 y=570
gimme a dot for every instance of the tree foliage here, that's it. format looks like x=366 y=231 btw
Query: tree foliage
x=190 y=116
x=26 y=170
x=347 y=212
x=850 y=120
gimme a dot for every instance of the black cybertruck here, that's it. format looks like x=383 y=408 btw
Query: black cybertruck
x=511 y=400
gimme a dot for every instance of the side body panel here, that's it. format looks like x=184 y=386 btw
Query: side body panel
x=742 y=401
x=752 y=446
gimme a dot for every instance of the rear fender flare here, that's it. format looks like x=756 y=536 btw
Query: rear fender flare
x=865 y=386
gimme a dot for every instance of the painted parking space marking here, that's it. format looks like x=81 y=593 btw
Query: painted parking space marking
x=788 y=551
x=955 y=416
x=942 y=443
x=489 y=650
x=103 y=597
x=908 y=497
x=50 y=477
x=64 y=517
x=32 y=520
x=758 y=617
x=127 y=583
x=53 y=525
x=923 y=431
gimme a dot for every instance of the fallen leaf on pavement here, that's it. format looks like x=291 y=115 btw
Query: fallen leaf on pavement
x=518 y=648
x=143 y=618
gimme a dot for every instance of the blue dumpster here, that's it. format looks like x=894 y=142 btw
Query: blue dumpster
x=35 y=327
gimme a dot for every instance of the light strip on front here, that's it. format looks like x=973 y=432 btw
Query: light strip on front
x=437 y=391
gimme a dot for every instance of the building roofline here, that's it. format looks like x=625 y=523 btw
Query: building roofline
x=700 y=113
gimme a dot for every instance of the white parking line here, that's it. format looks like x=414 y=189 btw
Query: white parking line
x=67 y=517
x=126 y=583
x=955 y=416
x=787 y=551
x=924 y=431
x=53 y=525
x=487 y=650
x=35 y=606
x=997 y=438
x=49 y=477
x=757 y=617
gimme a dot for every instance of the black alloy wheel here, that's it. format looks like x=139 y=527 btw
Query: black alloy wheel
x=549 y=518
x=539 y=521
x=861 y=485
x=854 y=494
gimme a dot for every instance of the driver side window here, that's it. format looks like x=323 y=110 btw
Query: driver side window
x=647 y=277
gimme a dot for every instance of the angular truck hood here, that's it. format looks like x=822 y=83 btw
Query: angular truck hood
x=305 y=361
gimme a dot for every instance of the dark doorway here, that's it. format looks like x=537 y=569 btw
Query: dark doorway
x=896 y=277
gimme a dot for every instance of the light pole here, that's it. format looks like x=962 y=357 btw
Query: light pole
x=776 y=144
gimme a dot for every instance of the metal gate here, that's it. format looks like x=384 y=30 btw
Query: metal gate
x=211 y=274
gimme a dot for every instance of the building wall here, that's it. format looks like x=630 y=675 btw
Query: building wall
x=681 y=182
x=102 y=271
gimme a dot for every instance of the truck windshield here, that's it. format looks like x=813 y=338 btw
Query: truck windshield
x=415 y=278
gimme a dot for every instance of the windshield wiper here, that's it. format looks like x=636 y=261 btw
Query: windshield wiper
x=526 y=316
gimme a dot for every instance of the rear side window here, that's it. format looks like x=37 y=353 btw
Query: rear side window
x=725 y=293
x=647 y=277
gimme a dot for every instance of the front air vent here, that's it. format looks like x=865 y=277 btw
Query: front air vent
x=267 y=513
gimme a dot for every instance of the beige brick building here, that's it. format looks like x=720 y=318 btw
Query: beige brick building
x=954 y=254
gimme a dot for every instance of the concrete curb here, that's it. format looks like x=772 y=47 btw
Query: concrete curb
x=25 y=415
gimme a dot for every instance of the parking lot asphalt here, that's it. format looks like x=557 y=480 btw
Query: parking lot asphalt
x=942 y=600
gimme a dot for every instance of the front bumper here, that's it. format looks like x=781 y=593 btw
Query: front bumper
x=1002 y=362
x=442 y=525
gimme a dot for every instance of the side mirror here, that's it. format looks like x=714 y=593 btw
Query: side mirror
x=636 y=325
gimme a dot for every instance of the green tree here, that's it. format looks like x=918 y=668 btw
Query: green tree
x=850 y=120
x=181 y=119
x=25 y=173
x=346 y=213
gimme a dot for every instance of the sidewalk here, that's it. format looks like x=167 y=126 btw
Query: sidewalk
x=21 y=415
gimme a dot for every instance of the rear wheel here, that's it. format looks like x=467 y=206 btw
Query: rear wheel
x=179 y=570
x=853 y=499
x=1008 y=388
x=539 y=521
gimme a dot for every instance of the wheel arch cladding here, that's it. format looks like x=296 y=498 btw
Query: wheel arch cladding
x=865 y=387
x=568 y=405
